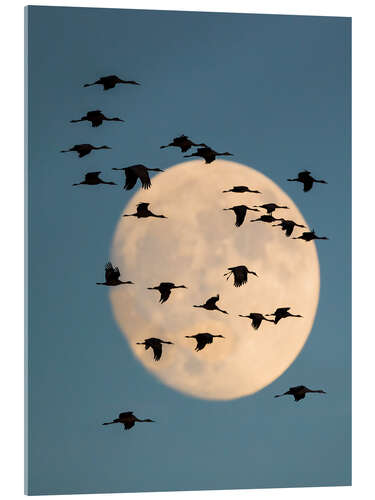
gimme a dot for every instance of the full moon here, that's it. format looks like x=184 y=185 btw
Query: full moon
x=194 y=246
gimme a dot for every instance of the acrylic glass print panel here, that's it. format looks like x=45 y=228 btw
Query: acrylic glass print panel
x=189 y=201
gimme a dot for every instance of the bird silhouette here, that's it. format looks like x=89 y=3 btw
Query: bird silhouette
x=256 y=319
x=112 y=275
x=283 y=312
x=135 y=172
x=143 y=212
x=93 y=179
x=83 y=149
x=287 y=226
x=309 y=236
x=241 y=189
x=210 y=304
x=299 y=392
x=156 y=345
x=270 y=207
x=109 y=82
x=183 y=142
x=307 y=180
x=265 y=218
x=96 y=118
x=240 y=211
x=127 y=419
x=240 y=274
x=208 y=154
x=203 y=339
x=165 y=290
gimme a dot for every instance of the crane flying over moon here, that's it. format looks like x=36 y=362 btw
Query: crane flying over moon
x=194 y=245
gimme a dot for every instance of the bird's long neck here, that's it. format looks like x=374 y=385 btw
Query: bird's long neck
x=221 y=310
x=199 y=306
x=318 y=390
x=179 y=286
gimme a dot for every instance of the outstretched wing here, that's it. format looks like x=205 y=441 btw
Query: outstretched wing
x=212 y=301
x=144 y=177
x=125 y=414
x=128 y=424
x=307 y=184
x=164 y=294
x=282 y=310
x=111 y=273
x=92 y=176
x=131 y=178
x=201 y=343
x=256 y=322
x=157 y=348
x=240 y=215
x=288 y=228
x=240 y=276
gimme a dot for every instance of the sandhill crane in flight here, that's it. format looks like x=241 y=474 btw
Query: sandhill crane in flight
x=283 y=312
x=109 y=82
x=127 y=419
x=112 y=276
x=309 y=236
x=265 y=218
x=96 y=118
x=241 y=189
x=270 y=207
x=93 y=179
x=165 y=290
x=210 y=304
x=208 y=154
x=156 y=345
x=240 y=211
x=183 y=142
x=203 y=339
x=256 y=319
x=240 y=274
x=143 y=212
x=287 y=226
x=307 y=180
x=83 y=149
x=299 y=392
x=135 y=172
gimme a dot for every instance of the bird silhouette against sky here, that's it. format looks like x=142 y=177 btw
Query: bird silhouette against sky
x=210 y=304
x=143 y=212
x=287 y=226
x=96 y=118
x=309 y=236
x=240 y=211
x=307 y=180
x=135 y=172
x=241 y=189
x=240 y=274
x=299 y=392
x=93 y=179
x=109 y=82
x=165 y=290
x=208 y=154
x=156 y=345
x=203 y=339
x=127 y=419
x=265 y=218
x=270 y=207
x=83 y=149
x=283 y=312
x=256 y=319
x=112 y=276
x=183 y=142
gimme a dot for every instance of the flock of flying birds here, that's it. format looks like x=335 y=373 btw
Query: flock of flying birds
x=240 y=273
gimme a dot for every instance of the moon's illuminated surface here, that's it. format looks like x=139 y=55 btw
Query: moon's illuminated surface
x=194 y=247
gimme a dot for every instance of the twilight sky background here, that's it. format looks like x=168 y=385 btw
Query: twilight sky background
x=275 y=91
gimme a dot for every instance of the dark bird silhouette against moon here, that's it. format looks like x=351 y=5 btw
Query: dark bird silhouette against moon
x=156 y=345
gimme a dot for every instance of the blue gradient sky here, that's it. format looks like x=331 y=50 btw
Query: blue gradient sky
x=275 y=91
